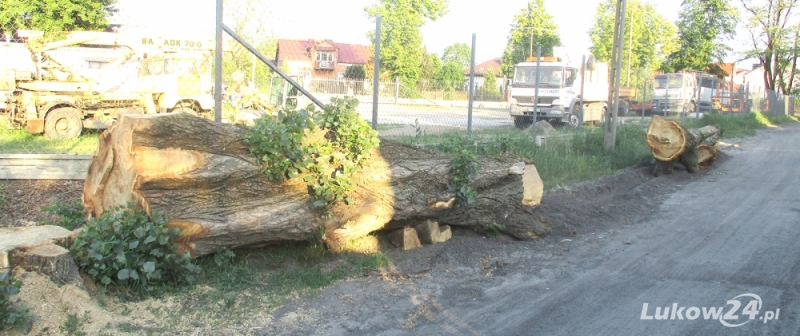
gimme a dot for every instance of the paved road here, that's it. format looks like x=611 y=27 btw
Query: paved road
x=733 y=232
x=430 y=116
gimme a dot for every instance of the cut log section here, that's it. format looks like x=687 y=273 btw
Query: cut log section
x=201 y=175
x=671 y=143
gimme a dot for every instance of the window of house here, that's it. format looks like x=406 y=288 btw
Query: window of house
x=324 y=57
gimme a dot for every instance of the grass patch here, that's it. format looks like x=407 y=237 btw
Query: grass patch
x=386 y=127
x=73 y=326
x=237 y=285
x=22 y=142
x=568 y=156
x=739 y=125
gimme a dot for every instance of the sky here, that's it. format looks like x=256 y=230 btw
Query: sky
x=346 y=22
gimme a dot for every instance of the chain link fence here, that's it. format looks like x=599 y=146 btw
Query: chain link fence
x=60 y=90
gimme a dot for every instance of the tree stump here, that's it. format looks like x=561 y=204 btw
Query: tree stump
x=201 y=175
x=671 y=143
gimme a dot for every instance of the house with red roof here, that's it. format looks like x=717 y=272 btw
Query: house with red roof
x=320 y=58
x=482 y=70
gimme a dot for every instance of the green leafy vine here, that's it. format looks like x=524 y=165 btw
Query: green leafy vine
x=287 y=147
x=463 y=168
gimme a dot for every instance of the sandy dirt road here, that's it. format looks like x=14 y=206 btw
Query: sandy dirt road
x=682 y=240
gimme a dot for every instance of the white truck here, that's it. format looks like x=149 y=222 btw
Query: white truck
x=559 y=92
x=678 y=93
x=86 y=79
x=675 y=93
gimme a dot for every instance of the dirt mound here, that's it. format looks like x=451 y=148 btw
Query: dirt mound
x=543 y=128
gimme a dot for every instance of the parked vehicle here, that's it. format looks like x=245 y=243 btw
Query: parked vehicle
x=59 y=87
x=681 y=93
x=559 y=92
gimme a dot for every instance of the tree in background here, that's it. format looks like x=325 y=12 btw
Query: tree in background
x=431 y=64
x=531 y=22
x=449 y=77
x=490 y=89
x=250 y=19
x=774 y=32
x=653 y=39
x=703 y=28
x=401 y=41
x=55 y=15
x=461 y=53
x=355 y=71
x=357 y=74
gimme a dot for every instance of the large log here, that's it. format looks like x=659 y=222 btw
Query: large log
x=671 y=143
x=201 y=175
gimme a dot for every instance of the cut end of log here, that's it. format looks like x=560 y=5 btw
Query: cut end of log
x=666 y=138
x=707 y=155
x=533 y=187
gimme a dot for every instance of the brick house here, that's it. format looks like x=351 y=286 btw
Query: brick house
x=319 y=58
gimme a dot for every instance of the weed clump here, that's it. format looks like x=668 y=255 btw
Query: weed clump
x=127 y=247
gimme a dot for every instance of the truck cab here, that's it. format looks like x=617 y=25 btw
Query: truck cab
x=558 y=100
x=556 y=91
x=674 y=93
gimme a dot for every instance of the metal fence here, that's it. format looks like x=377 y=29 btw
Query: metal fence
x=144 y=70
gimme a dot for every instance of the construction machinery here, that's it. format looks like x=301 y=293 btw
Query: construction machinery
x=59 y=86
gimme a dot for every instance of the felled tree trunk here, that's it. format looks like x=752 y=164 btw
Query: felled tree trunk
x=671 y=143
x=202 y=177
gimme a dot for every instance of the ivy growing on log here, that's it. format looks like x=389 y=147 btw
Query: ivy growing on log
x=324 y=147
x=463 y=168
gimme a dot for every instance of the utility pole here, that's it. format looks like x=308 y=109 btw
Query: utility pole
x=531 y=52
x=536 y=92
x=630 y=54
x=376 y=79
x=218 y=63
x=610 y=140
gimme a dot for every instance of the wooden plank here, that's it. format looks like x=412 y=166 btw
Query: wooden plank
x=44 y=166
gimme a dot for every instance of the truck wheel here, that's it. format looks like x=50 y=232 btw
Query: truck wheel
x=522 y=123
x=573 y=121
x=185 y=108
x=63 y=123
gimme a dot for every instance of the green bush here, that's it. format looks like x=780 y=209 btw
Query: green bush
x=279 y=145
x=128 y=248
x=71 y=215
x=10 y=313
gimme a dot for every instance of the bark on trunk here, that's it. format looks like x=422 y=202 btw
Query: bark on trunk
x=202 y=177
x=671 y=143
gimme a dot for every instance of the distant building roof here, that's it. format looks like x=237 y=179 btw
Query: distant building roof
x=483 y=68
x=299 y=50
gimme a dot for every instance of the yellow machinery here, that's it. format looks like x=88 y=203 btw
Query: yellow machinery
x=59 y=93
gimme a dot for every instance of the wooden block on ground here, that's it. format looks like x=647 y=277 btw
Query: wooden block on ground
x=52 y=260
x=26 y=237
x=444 y=233
x=428 y=232
x=406 y=239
